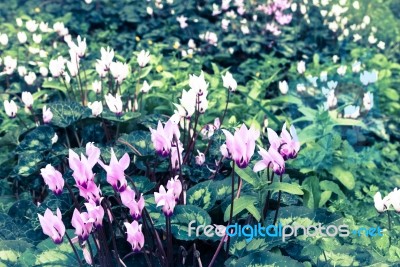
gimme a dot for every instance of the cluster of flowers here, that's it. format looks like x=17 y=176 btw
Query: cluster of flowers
x=392 y=199
x=233 y=18
x=11 y=108
x=240 y=148
x=337 y=15
x=34 y=47
x=88 y=222
x=351 y=111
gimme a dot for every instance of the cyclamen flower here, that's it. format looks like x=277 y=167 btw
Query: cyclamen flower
x=27 y=99
x=176 y=155
x=166 y=199
x=22 y=38
x=283 y=87
x=287 y=144
x=380 y=204
x=162 y=137
x=96 y=107
x=200 y=159
x=114 y=103
x=198 y=83
x=52 y=225
x=11 y=108
x=115 y=171
x=270 y=159
x=182 y=21
x=176 y=186
x=229 y=82
x=301 y=67
x=241 y=145
x=128 y=198
x=83 y=224
x=107 y=57
x=96 y=86
x=368 y=77
x=145 y=88
x=47 y=115
x=10 y=64
x=30 y=78
x=31 y=25
x=135 y=235
x=95 y=212
x=393 y=199
x=368 y=100
x=79 y=48
x=57 y=66
x=119 y=71
x=352 y=112
x=82 y=167
x=53 y=179
x=143 y=58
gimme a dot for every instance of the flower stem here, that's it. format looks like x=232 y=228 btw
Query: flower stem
x=390 y=227
x=226 y=107
x=232 y=201
x=169 y=238
x=279 y=202
x=74 y=249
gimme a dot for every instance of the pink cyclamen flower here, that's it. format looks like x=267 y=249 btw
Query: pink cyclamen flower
x=95 y=212
x=162 y=137
x=166 y=199
x=115 y=171
x=287 y=145
x=53 y=179
x=90 y=191
x=135 y=235
x=270 y=159
x=83 y=224
x=47 y=115
x=53 y=225
x=241 y=145
x=128 y=198
x=176 y=186
x=82 y=168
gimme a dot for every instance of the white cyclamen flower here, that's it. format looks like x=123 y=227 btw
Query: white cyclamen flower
x=283 y=87
x=11 y=108
x=114 y=103
x=229 y=82
x=143 y=58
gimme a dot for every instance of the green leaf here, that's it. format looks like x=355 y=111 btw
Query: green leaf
x=183 y=215
x=143 y=184
x=54 y=85
x=294 y=189
x=28 y=163
x=37 y=140
x=344 y=176
x=138 y=142
x=202 y=195
x=332 y=186
x=241 y=204
x=11 y=250
x=67 y=113
x=48 y=253
x=312 y=193
x=127 y=116
x=246 y=174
